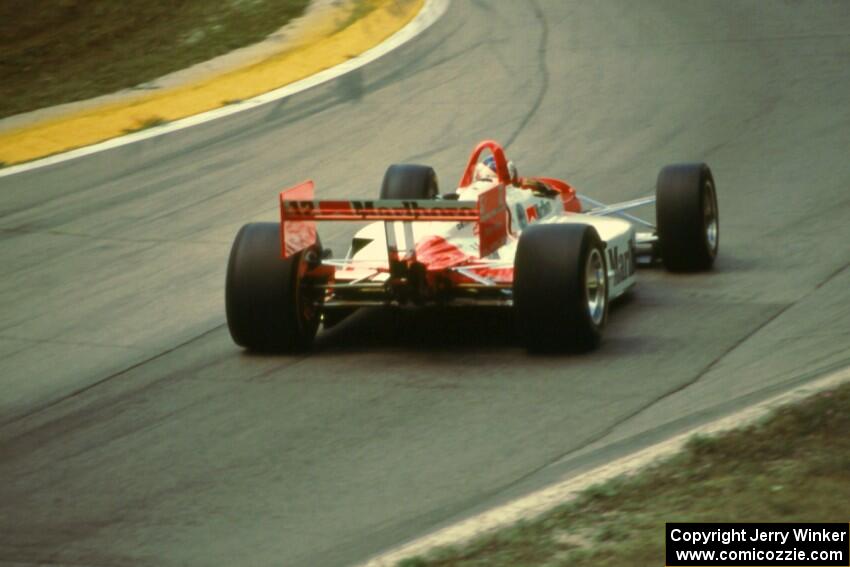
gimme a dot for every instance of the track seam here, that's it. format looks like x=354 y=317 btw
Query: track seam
x=544 y=72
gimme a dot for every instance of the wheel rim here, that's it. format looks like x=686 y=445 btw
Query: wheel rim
x=710 y=221
x=595 y=286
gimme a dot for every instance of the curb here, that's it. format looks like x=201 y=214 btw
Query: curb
x=549 y=497
x=91 y=126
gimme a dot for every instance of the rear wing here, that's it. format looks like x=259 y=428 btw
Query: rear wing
x=299 y=213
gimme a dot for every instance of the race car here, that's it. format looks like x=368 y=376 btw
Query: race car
x=531 y=244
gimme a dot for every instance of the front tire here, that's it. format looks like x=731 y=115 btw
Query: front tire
x=268 y=305
x=560 y=289
x=687 y=217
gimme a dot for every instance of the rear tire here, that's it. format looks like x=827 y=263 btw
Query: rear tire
x=408 y=181
x=268 y=307
x=560 y=289
x=687 y=217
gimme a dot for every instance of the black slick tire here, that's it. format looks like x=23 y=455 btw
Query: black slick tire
x=687 y=217
x=268 y=307
x=551 y=296
x=409 y=181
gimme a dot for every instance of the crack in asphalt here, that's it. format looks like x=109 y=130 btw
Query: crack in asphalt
x=544 y=73
x=538 y=101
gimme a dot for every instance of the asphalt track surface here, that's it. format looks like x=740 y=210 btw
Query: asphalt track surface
x=135 y=432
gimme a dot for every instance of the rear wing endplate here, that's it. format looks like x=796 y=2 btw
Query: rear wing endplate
x=299 y=213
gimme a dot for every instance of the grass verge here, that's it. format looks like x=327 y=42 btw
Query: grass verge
x=56 y=51
x=792 y=467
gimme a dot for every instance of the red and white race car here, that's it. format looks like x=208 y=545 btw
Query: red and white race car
x=497 y=240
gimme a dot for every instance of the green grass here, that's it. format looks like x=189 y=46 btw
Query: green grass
x=56 y=51
x=792 y=467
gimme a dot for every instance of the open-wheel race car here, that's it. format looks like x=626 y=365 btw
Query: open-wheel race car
x=527 y=243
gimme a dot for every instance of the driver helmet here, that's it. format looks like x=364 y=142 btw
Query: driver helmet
x=486 y=170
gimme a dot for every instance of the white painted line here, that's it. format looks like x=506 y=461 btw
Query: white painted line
x=561 y=492
x=430 y=13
